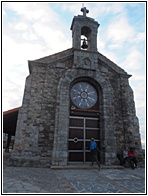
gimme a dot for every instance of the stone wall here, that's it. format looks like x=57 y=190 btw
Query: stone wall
x=36 y=119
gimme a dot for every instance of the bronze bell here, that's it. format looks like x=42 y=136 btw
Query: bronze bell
x=84 y=45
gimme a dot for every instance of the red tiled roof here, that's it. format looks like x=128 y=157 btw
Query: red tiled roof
x=12 y=110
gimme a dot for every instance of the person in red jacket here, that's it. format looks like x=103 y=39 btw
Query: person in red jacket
x=132 y=158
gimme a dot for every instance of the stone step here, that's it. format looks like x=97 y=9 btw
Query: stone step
x=86 y=167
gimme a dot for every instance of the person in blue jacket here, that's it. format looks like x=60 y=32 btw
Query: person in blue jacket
x=94 y=152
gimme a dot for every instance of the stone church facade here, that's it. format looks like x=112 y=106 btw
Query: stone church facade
x=70 y=97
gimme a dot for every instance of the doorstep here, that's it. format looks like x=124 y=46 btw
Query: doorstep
x=86 y=167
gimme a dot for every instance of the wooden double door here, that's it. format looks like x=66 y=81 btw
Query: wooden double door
x=81 y=130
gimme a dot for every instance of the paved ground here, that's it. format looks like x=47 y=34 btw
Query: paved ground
x=45 y=180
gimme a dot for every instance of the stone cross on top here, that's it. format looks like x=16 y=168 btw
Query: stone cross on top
x=85 y=11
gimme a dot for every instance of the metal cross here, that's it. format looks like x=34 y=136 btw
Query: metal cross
x=85 y=11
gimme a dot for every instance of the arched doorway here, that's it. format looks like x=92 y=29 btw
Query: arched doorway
x=84 y=119
x=60 y=155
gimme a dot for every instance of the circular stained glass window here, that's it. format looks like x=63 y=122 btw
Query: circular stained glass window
x=83 y=95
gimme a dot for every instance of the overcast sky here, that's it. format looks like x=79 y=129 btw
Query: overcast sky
x=31 y=30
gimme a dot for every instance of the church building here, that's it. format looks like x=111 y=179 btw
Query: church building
x=71 y=97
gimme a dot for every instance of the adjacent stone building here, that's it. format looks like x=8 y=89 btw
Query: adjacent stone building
x=70 y=97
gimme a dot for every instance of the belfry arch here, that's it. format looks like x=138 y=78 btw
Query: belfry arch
x=61 y=134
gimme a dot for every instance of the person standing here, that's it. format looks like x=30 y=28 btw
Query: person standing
x=125 y=155
x=132 y=158
x=120 y=158
x=93 y=151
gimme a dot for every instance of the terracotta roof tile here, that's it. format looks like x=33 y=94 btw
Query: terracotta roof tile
x=12 y=110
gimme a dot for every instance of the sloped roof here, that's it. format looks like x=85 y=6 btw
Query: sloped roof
x=51 y=58
x=11 y=111
x=69 y=52
x=10 y=120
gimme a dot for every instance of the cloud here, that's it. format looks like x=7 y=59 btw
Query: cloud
x=26 y=38
x=134 y=59
x=139 y=37
x=119 y=31
x=18 y=52
x=44 y=28
x=13 y=89
x=73 y=8
x=20 y=26
x=32 y=11
x=97 y=10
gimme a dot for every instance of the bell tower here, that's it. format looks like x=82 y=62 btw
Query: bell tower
x=84 y=32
